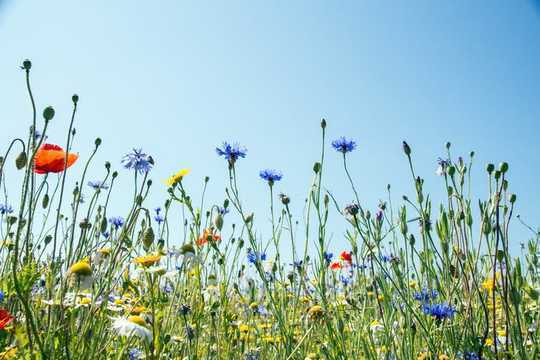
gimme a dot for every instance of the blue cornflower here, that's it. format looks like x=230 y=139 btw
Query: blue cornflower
x=1 y=296
x=270 y=175
x=328 y=257
x=471 y=356
x=5 y=209
x=138 y=161
x=298 y=264
x=98 y=185
x=345 y=280
x=223 y=211
x=135 y=354
x=38 y=134
x=425 y=295
x=439 y=311
x=158 y=217
x=231 y=152
x=105 y=234
x=116 y=222
x=254 y=256
x=168 y=288
x=344 y=145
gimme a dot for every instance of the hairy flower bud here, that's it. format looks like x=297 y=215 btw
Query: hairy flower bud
x=20 y=161
x=48 y=113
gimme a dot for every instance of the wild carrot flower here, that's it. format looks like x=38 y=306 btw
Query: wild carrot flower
x=52 y=159
x=98 y=185
x=176 y=178
x=231 y=152
x=344 y=145
x=138 y=161
x=271 y=175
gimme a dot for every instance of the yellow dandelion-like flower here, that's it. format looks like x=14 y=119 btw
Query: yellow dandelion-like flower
x=489 y=342
x=137 y=310
x=316 y=311
x=9 y=353
x=147 y=260
x=176 y=178
x=82 y=268
x=105 y=251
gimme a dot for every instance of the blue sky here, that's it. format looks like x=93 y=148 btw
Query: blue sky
x=178 y=78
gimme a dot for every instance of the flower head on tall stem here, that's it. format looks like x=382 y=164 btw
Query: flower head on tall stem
x=344 y=145
x=231 y=152
x=138 y=160
x=271 y=175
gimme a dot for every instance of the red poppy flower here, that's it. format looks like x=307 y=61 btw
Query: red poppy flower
x=206 y=236
x=52 y=159
x=336 y=265
x=5 y=318
x=346 y=256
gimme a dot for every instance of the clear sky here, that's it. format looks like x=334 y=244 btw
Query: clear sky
x=178 y=77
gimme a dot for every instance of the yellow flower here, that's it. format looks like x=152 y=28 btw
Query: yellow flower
x=444 y=357
x=136 y=319
x=137 y=310
x=316 y=311
x=147 y=260
x=9 y=353
x=413 y=284
x=84 y=301
x=81 y=268
x=105 y=251
x=176 y=178
x=489 y=341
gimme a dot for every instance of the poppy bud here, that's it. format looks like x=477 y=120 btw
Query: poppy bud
x=27 y=65
x=148 y=237
x=406 y=148
x=490 y=168
x=285 y=200
x=249 y=218
x=513 y=198
x=48 y=239
x=219 y=222
x=1 y=160
x=75 y=98
x=20 y=161
x=448 y=144
x=107 y=165
x=451 y=170
x=316 y=167
x=323 y=123
x=503 y=167
x=97 y=142
x=45 y=201
x=48 y=113
x=497 y=174
x=115 y=174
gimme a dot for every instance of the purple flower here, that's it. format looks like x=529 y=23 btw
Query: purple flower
x=344 y=145
x=138 y=161
x=440 y=311
x=271 y=175
x=116 y=222
x=231 y=152
x=98 y=185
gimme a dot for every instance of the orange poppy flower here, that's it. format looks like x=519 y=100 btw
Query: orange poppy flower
x=208 y=235
x=336 y=265
x=5 y=318
x=346 y=256
x=52 y=159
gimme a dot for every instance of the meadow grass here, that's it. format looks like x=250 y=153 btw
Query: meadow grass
x=418 y=281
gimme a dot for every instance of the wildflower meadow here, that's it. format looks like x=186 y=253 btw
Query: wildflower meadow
x=206 y=278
